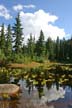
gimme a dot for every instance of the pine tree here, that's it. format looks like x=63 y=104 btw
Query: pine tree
x=8 y=41
x=25 y=50
x=31 y=46
x=50 y=48
x=18 y=39
x=2 y=39
x=57 y=50
x=70 y=49
x=40 y=45
x=63 y=49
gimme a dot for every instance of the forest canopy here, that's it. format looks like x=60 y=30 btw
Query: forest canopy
x=13 y=49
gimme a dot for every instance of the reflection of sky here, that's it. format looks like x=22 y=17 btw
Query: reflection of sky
x=50 y=95
x=53 y=94
x=56 y=98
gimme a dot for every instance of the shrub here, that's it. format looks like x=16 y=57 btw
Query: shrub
x=39 y=59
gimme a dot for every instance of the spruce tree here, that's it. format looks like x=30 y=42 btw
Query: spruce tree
x=8 y=41
x=57 y=50
x=31 y=46
x=18 y=39
x=2 y=39
x=63 y=49
x=40 y=45
x=70 y=49
x=50 y=48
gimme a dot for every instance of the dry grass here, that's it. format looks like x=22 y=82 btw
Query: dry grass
x=29 y=65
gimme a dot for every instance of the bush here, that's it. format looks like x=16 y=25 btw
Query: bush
x=40 y=59
x=17 y=58
x=4 y=77
x=2 y=55
x=2 y=58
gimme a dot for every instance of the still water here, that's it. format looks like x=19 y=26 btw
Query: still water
x=55 y=96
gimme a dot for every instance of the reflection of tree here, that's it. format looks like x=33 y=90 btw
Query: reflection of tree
x=9 y=103
x=28 y=85
x=57 y=81
x=57 y=85
x=40 y=89
x=39 y=79
x=14 y=104
x=48 y=85
x=4 y=104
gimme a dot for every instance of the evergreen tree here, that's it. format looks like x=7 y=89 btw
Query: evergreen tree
x=8 y=41
x=67 y=50
x=70 y=49
x=40 y=45
x=57 y=50
x=62 y=54
x=17 y=29
x=31 y=46
x=50 y=48
x=24 y=50
x=2 y=39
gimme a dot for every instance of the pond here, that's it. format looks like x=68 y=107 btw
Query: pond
x=54 y=96
x=52 y=88
x=9 y=104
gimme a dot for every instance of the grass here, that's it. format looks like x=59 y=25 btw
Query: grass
x=28 y=65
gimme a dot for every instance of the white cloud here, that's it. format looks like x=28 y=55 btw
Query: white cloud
x=29 y=6
x=21 y=7
x=34 y=22
x=4 y=12
x=18 y=7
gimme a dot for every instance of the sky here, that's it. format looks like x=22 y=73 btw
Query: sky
x=54 y=17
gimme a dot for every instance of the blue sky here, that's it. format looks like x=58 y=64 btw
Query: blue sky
x=58 y=10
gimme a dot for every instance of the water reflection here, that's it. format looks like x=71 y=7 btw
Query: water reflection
x=53 y=94
x=47 y=93
x=54 y=89
x=53 y=97
x=9 y=104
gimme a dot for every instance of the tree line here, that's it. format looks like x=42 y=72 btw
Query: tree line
x=12 y=47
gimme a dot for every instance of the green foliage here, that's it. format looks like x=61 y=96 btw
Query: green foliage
x=40 y=45
x=2 y=39
x=40 y=59
x=8 y=47
x=50 y=48
x=4 y=77
x=57 y=48
x=14 y=49
x=18 y=39
x=18 y=58
x=31 y=46
x=27 y=59
x=2 y=55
